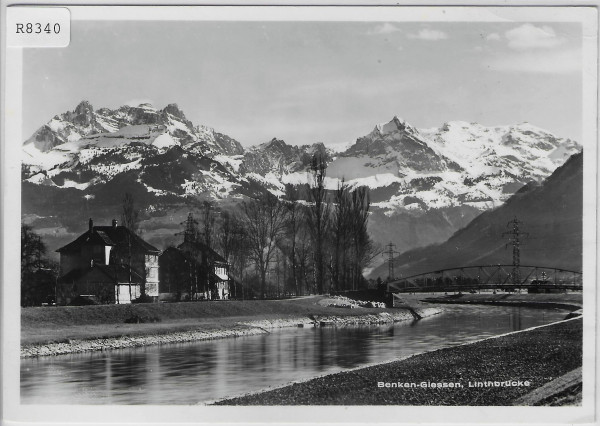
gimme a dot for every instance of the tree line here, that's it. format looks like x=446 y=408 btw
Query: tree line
x=308 y=240
x=38 y=273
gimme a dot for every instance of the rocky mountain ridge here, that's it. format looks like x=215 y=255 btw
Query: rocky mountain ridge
x=425 y=183
x=550 y=213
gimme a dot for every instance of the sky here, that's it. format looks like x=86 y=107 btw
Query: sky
x=307 y=82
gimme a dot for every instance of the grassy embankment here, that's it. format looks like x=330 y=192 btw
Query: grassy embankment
x=542 y=356
x=59 y=324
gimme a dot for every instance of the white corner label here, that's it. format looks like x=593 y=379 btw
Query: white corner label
x=38 y=26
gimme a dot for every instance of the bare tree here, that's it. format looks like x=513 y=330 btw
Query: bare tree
x=340 y=230
x=304 y=255
x=239 y=251
x=208 y=225
x=225 y=237
x=38 y=274
x=131 y=220
x=317 y=216
x=264 y=221
x=190 y=239
x=292 y=227
x=130 y=216
x=359 y=216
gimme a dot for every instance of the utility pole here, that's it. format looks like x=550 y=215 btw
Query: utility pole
x=390 y=252
x=514 y=238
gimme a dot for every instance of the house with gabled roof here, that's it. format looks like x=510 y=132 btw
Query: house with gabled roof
x=107 y=264
x=193 y=271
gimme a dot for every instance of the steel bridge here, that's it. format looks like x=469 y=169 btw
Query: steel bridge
x=498 y=277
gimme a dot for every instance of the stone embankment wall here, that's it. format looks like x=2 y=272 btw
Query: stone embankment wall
x=240 y=329
x=78 y=346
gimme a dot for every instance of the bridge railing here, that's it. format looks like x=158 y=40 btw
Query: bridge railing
x=471 y=278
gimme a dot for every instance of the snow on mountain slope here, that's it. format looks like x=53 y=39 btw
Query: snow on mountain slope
x=398 y=146
x=407 y=169
x=552 y=215
x=425 y=184
x=83 y=121
x=281 y=159
x=522 y=150
x=85 y=149
x=458 y=164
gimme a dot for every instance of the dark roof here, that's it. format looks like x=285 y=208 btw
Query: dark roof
x=215 y=277
x=174 y=251
x=109 y=236
x=114 y=274
x=71 y=276
x=104 y=237
x=200 y=247
x=119 y=273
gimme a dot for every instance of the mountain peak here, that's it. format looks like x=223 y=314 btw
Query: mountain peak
x=83 y=114
x=277 y=142
x=273 y=145
x=394 y=125
x=83 y=107
x=174 y=110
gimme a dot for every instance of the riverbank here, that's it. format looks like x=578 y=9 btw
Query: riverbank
x=65 y=330
x=75 y=329
x=546 y=358
x=569 y=301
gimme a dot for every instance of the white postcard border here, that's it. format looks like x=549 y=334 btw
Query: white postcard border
x=33 y=414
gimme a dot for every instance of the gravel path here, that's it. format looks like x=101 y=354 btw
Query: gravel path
x=537 y=356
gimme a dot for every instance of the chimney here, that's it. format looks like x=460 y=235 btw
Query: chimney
x=91 y=224
x=114 y=223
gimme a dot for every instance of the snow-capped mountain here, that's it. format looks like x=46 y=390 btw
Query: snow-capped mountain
x=280 y=158
x=159 y=150
x=551 y=213
x=271 y=162
x=106 y=128
x=425 y=184
x=458 y=164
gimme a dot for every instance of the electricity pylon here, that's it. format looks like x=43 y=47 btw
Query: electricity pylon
x=390 y=253
x=514 y=238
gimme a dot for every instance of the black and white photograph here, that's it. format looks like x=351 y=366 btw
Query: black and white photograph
x=326 y=214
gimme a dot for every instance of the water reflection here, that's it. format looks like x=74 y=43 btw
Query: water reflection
x=193 y=372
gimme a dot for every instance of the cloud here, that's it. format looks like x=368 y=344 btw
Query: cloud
x=562 y=62
x=385 y=28
x=493 y=37
x=528 y=36
x=139 y=101
x=430 y=35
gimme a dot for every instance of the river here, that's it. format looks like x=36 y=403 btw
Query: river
x=195 y=372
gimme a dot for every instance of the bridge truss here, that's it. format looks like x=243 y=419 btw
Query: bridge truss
x=500 y=277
